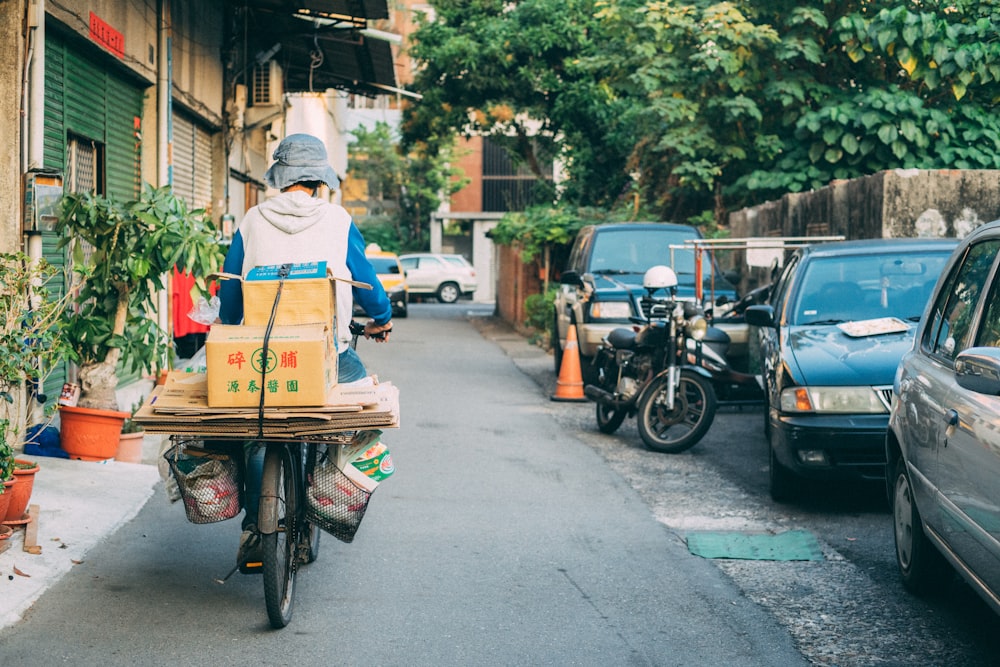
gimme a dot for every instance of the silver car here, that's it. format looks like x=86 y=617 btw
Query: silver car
x=447 y=277
x=943 y=443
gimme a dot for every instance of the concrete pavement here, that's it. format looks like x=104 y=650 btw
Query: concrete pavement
x=79 y=504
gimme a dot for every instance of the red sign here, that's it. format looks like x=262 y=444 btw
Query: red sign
x=106 y=36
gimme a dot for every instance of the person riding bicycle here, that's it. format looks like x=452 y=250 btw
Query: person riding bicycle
x=298 y=226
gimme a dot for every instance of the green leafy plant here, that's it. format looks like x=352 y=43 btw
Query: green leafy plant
x=32 y=342
x=130 y=425
x=122 y=253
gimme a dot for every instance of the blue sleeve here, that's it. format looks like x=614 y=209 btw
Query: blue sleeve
x=374 y=301
x=231 y=291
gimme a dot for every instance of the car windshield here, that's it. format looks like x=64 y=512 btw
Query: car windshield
x=384 y=264
x=634 y=251
x=865 y=287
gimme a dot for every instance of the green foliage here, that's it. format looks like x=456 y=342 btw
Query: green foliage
x=512 y=71
x=133 y=246
x=540 y=312
x=404 y=189
x=699 y=106
x=32 y=341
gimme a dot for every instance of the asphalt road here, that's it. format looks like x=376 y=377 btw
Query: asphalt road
x=504 y=538
x=848 y=609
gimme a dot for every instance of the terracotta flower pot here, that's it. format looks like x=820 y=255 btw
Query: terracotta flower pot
x=130 y=447
x=5 y=499
x=90 y=435
x=20 y=493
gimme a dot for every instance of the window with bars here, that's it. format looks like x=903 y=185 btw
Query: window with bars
x=506 y=187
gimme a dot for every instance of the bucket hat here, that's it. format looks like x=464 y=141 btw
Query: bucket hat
x=298 y=158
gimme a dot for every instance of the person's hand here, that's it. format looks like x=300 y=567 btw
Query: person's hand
x=372 y=329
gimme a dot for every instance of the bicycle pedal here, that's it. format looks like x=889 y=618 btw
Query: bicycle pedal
x=252 y=567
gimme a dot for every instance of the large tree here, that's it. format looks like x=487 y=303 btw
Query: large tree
x=511 y=71
x=709 y=106
x=750 y=99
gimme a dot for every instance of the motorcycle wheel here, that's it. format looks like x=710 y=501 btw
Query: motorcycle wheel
x=674 y=431
x=609 y=417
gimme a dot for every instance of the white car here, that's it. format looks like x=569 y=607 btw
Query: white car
x=447 y=277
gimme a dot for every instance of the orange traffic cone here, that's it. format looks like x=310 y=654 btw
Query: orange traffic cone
x=569 y=385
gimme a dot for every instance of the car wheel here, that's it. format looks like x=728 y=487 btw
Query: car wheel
x=783 y=484
x=921 y=566
x=448 y=293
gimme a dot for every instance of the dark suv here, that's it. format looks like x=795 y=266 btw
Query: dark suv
x=608 y=261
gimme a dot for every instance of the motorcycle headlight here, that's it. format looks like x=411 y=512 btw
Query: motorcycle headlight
x=697 y=327
x=610 y=310
x=854 y=400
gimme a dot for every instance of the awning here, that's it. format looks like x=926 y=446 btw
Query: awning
x=322 y=44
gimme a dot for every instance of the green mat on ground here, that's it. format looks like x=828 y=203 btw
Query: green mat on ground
x=789 y=545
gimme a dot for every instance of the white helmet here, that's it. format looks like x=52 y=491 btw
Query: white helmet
x=659 y=277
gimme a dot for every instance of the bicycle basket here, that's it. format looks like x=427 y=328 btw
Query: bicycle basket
x=209 y=482
x=334 y=502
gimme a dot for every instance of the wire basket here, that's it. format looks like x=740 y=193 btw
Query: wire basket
x=209 y=480
x=334 y=502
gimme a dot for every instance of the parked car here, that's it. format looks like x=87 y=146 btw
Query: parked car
x=839 y=318
x=603 y=277
x=942 y=449
x=392 y=276
x=446 y=277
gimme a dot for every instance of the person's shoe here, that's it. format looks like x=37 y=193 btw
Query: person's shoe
x=249 y=557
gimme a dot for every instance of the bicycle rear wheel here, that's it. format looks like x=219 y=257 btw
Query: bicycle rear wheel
x=279 y=504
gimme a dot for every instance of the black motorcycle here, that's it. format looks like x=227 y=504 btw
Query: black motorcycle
x=655 y=371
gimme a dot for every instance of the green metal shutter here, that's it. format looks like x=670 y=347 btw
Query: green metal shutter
x=85 y=99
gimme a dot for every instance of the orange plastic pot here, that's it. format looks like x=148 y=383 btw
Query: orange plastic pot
x=87 y=434
x=20 y=493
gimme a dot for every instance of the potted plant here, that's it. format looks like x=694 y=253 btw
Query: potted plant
x=122 y=255
x=131 y=439
x=32 y=341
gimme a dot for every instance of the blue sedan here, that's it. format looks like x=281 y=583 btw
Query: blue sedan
x=838 y=321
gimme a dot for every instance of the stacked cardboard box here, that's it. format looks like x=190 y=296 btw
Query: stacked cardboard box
x=301 y=364
x=180 y=407
x=289 y=393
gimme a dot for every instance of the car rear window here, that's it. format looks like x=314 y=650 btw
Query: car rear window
x=457 y=260
x=384 y=264
x=636 y=250
x=864 y=287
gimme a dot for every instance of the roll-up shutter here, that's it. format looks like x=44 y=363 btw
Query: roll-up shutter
x=92 y=134
x=192 y=162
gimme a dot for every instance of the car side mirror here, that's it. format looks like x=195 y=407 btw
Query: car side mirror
x=760 y=316
x=978 y=369
x=571 y=278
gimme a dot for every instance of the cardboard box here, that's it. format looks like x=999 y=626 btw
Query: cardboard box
x=303 y=301
x=302 y=366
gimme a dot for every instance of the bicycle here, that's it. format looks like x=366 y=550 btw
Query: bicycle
x=288 y=537
x=289 y=528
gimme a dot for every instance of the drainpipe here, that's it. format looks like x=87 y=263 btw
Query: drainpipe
x=164 y=144
x=33 y=140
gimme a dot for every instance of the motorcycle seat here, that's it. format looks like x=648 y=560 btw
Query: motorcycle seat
x=622 y=339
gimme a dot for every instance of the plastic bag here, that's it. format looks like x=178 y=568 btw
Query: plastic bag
x=205 y=311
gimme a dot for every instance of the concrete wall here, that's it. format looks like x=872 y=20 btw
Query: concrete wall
x=11 y=48
x=890 y=204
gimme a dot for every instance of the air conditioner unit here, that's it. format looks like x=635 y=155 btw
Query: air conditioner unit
x=268 y=87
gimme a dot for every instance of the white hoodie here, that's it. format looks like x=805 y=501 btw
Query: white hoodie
x=296 y=228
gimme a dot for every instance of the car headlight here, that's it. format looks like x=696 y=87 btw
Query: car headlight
x=610 y=310
x=854 y=400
